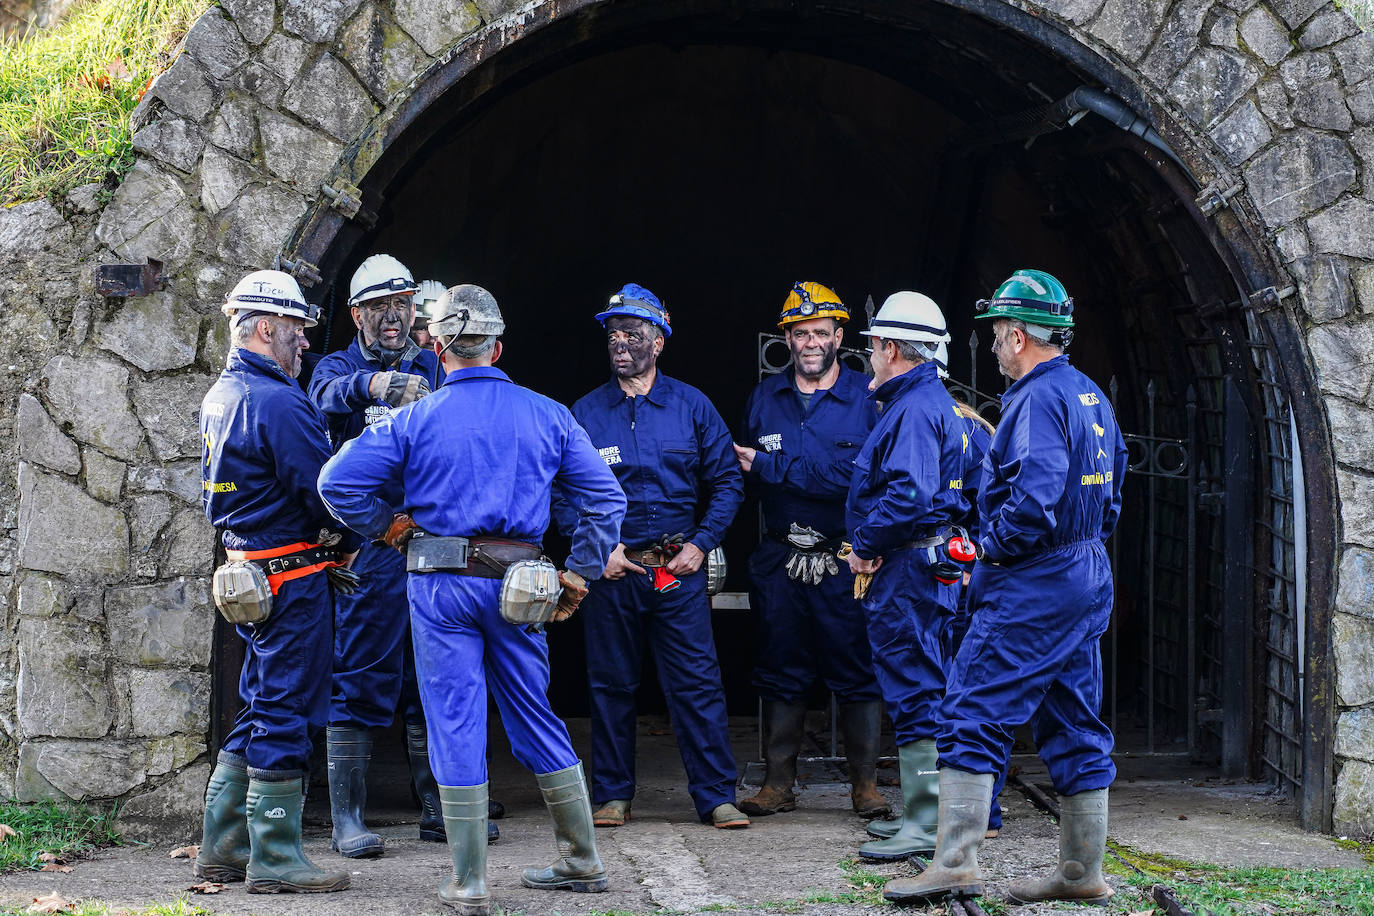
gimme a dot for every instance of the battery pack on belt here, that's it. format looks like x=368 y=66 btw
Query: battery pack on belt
x=293 y=561
x=483 y=557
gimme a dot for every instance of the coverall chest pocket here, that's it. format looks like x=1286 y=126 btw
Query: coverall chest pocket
x=680 y=460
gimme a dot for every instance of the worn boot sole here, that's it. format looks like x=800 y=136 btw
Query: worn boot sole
x=223 y=874
x=880 y=856
x=605 y=820
x=362 y=848
x=467 y=908
x=1027 y=897
x=934 y=895
x=873 y=811
x=272 y=886
x=433 y=834
x=576 y=885
x=754 y=810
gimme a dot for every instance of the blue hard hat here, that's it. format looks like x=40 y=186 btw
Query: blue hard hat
x=634 y=301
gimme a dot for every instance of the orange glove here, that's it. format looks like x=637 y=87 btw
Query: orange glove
x=402 y=529
x=574 y=590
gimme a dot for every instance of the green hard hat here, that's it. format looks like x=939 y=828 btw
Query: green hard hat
x=1032 y=296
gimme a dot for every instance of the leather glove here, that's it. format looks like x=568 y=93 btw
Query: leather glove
x=861 y=583
x=574 y=590
x=817 y=571
x=345 y=581
x=805 y=538
x=832 y=566
x=402 y=529
x=397 y=388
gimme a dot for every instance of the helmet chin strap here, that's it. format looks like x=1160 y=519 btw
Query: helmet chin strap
x=465 y=315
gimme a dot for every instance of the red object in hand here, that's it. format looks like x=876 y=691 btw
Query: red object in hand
x=664 y=581
x=962 y=550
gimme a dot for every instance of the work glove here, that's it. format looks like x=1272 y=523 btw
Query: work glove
x=803 y=538
x=574 y=590
x=402 y=529
x=671 y=545
x=794 y=564
x=861 y=580
x=344 y=580
x=397 y=388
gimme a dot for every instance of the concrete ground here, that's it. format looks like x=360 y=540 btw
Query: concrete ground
x=664 y=861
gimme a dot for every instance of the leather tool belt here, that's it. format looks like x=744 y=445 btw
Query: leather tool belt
x=650 y=557
x=293 y=561
x=483 y=557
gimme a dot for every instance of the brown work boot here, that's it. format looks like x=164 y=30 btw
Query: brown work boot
x=861 y=723
x=769 y=800
x=782 y=737
x=612 y=814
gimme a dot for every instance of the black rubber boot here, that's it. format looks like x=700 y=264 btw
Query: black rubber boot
x=920 y=806
x=578 y=866
x=276 y=864
x=782 y=737
x=431 y=813
x=224 y=847
x=953 y=870
x=350 y=752
x=1082 y=843
x=465 y=824
x=861 y=724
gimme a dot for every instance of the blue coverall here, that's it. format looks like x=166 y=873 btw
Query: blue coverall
x=479 y=457
x=907 y=487
x=674 y=458
x=373 y=668
x=1042 y=596
x=804 y=464
x=262 y=445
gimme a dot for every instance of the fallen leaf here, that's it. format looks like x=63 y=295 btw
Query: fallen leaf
x=185 y=852
x=118 y=70
x=54 y=866
x=51 y=857
x=1142 y=913
x=207 y=887
x=6 y=831
x=50 y=903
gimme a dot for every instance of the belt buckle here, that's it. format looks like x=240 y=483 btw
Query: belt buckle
x=276 y=566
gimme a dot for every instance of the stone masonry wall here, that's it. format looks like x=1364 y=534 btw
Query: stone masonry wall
x=103 y=569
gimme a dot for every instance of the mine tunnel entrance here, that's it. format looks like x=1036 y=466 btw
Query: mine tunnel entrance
x=718 y=158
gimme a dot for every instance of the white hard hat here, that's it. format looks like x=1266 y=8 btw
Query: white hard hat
x=380 y=275
x=909 y=316
x=941 y=359
x=466 y=311
x=270 y=291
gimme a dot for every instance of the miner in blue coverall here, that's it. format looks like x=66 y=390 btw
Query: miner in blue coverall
x=906 y=493
x=1050 y=496
x=672 y=454
x=382 y=369
x=804 y=426
x=263 y=444
x=473 y=466
x=979 y=436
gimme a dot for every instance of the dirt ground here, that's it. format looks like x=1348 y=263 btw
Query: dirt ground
x=664 y=861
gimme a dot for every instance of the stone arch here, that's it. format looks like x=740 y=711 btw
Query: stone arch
x=270 y=136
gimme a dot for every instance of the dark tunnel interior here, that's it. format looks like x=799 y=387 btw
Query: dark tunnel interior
x=720 y=165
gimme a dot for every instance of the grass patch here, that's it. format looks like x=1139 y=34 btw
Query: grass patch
x=1244 y=891
x=46 y=827
x=66 y=93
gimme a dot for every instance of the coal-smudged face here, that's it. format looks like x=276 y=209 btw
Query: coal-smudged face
x=385 y=321
x=287 y=340
x=814 y=344
x=633 y=345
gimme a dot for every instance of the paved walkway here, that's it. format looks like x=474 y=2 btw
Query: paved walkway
x=663 y=860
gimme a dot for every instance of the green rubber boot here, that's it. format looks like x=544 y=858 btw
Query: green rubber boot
x=276 y=864
x=953 y=870
x=224 y=846
x=465 y=825
x=920 y=805
x=578 y=867
x=1082 y=843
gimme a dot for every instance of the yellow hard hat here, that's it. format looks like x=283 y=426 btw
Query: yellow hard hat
x=808 y=300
